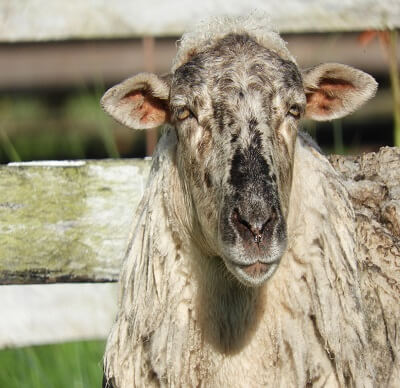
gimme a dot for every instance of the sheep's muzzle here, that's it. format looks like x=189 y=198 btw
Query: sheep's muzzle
x=257 y=269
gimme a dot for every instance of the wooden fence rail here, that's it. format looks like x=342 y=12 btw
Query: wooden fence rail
x=67 y=221
x=41 y=20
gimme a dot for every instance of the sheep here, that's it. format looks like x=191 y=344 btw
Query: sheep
x=241 y=268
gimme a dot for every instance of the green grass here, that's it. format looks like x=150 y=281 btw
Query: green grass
x=68 y=365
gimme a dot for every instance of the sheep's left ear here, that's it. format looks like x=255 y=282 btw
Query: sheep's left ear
x=139 y=102
x=334 y=90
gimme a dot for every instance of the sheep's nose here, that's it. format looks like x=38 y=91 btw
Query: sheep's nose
x=254 y=228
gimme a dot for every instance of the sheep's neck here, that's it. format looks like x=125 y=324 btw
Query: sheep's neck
x=227 y=310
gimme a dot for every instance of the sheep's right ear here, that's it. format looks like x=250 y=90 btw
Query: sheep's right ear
x=140 y=102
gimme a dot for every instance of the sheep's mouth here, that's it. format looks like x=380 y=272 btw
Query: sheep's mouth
x=254 y=274
x=256 y=269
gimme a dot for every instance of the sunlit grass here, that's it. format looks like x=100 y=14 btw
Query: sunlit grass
x=68 y=365
x=9 y=148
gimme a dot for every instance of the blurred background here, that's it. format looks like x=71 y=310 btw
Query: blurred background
x=50 y=91
x=58 y=58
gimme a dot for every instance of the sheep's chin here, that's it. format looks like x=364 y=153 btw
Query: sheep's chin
x=255 y=278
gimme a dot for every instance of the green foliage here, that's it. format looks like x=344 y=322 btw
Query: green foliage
x=68 y=365
x=41 y=127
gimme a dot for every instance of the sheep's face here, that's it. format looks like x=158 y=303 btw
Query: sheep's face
x=235 y=107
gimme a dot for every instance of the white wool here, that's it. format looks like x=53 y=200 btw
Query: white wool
x=166 y=285
x=205 y=34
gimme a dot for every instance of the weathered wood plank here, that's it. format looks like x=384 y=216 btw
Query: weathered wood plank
x=54 y=313
x=39 y=20
x=67 y=222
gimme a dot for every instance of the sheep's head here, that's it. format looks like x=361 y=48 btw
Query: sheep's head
x=235 y=106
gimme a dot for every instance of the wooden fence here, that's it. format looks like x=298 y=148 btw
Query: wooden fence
x=63 y=222
x=39 y=20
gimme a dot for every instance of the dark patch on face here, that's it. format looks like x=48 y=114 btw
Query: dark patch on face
x=234 y=137
x=252 y=210
x=250 y=166
x=256 y=141
x=253 y=123
x=238 y=170
x=218 y=110
x=222 y=115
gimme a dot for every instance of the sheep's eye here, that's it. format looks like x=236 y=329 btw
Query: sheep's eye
x=183 y=113
x=294 y=111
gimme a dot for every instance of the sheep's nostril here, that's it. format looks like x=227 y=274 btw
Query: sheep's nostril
x=251 y=230
x=240 y=220
x=257 y=233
